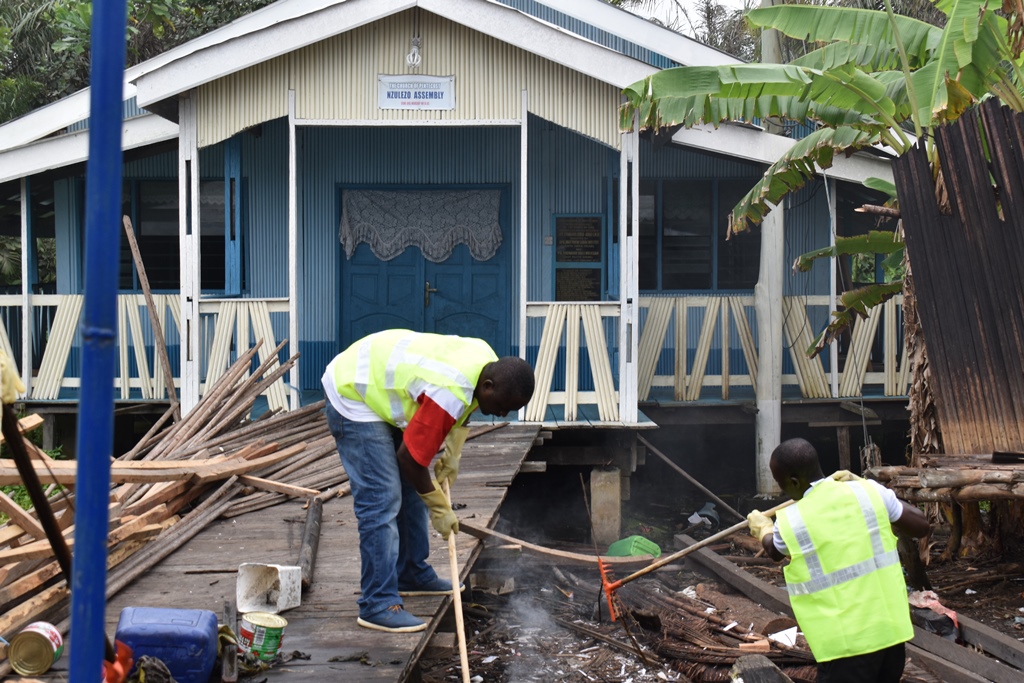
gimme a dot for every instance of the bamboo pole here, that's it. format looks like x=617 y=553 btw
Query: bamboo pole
x=154 y=321
x=460 y=626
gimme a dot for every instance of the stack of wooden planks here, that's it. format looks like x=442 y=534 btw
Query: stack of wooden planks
x=961 y=478
x=215 y=462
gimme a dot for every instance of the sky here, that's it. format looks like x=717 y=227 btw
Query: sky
x=668 y=13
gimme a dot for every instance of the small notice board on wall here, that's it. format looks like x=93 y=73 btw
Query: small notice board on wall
x=579 y=257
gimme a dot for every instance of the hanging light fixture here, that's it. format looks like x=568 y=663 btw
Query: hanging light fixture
x=413 y=59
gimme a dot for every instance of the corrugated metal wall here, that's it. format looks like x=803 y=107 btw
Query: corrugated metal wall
x=129 y=109
x=330 y=158
x=337 y=79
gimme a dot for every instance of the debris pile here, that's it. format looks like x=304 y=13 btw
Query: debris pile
x=674 y=626
x=215 y=462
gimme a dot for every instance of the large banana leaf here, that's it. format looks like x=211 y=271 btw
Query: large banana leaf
x=874 y=242
x=953 y=53
x=793 y=170
x=676 y=96
x=855 y=303
x=860 y=36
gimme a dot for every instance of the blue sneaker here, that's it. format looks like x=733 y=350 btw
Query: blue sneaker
x=438 y=586
x=393 y=620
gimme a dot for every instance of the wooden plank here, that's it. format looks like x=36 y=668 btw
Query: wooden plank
x=989 y=669
x=564 y=556
x=572 y=361
x=20 y=516
x=652 y=341
x=679 y=382
x=278 y=487
x=64 y=471
x=27 y=424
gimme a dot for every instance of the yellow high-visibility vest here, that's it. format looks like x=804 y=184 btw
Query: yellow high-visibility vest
x=389 y=370
x=845 y=581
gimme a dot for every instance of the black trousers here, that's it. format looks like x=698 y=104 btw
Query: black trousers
x=883 y=666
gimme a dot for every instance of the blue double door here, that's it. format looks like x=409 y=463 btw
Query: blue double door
x=460 y=295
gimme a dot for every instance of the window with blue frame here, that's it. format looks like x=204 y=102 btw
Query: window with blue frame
x=153 y=206
x=683 y=228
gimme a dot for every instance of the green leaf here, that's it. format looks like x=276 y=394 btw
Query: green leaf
x=881 y=185
x=793 y=170
x=688 y=95
x=856 y=304
x=893 y=266
x=874 y=242
x=859 y=36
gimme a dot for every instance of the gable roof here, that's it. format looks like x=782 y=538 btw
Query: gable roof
x=252 y=40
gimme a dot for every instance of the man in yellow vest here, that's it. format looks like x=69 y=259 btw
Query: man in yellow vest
x=393 y=399
x=844 y=579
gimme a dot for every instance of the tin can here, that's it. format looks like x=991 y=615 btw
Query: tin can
x=262 y=634
x=35 y=648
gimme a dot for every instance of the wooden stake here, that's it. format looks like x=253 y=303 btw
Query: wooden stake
x=460 y=626
x=158 y=333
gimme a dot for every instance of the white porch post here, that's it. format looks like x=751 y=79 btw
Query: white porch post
x=768 y=305
x=294 y=260
x=833 y=263
x=188 y=232
x=27 y=320
x=524 y=232
x=629 y=286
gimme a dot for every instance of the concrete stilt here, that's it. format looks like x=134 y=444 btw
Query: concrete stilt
x=606 y=504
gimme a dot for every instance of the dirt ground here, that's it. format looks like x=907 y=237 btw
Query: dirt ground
x=529 y=621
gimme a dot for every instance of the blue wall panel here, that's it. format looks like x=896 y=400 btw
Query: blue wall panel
x=400 y=156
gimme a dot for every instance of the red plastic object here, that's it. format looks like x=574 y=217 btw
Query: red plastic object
x=117 y=671
x=609 y=587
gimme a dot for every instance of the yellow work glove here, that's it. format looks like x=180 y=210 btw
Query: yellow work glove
x=441 y=515
x=760 y=524
x=447 y=466
x=11 y=385
x=846 y=475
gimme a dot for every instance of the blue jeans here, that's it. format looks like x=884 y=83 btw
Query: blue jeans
x=393 y=538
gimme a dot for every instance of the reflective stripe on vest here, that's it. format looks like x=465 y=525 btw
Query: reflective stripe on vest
x=820 y=580
x=390 y=370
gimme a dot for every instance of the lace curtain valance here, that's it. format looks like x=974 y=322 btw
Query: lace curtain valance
x=436 y=221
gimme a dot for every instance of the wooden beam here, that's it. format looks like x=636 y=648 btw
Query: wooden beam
x=560 y=555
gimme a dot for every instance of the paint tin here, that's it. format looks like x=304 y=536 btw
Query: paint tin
x=262 y=634
x=35 y=648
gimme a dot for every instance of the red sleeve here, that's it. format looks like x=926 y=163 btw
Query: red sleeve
x=427 y=431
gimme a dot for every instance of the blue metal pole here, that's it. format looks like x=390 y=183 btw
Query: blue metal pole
x=99 y=327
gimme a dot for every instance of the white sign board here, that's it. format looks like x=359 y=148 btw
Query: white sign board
x=415 y=92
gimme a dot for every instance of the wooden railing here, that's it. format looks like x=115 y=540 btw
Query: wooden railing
x=681 y=350
x=562 y=321
x=56 y=341
x=690 y=329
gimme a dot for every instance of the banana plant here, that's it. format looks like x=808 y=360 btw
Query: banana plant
x=875 y=78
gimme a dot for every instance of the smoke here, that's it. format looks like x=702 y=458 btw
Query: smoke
x=532 y=625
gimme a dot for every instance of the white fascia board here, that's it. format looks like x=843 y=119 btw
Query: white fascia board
x=756 y=145
x=260 y=44
x=527 y=33
x=71 y=149
x=58 y=115
x=50 y=118
x=677 y=47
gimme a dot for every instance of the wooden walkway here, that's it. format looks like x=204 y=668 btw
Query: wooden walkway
x=201 y=574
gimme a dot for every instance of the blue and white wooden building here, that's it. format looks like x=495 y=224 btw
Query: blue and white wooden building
x=321 y=169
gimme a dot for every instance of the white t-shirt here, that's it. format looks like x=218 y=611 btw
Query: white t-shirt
x=893 y=506
x=357 y=411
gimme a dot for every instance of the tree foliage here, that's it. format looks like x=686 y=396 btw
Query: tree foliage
x=44 y=44
x=868 y=77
